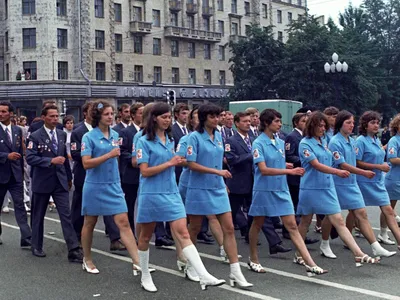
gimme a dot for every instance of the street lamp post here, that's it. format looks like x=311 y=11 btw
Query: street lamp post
x=334 y=68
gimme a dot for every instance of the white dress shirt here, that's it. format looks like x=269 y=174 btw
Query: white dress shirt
x=9 y=130
x=181 y=127
x=49 y=134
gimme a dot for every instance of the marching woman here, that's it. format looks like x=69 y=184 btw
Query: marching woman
x=371 y=156
x=343 y=148
x=271 y=195
x=317 y=160
x=159 y=199
x=102 y=192
x=206 y=193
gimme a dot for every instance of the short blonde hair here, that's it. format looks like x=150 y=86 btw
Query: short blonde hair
x=251 y=110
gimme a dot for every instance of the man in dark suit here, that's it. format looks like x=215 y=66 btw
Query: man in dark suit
x=85 y=109
x=254 y=121
x=240 y=160
x=47 y=153
x=39 y=124
x=79 y=179
x=125 y=117
x=12 y=170
x=227 y=130
x=292 y=142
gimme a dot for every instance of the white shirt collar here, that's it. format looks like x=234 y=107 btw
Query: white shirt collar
x=88 y=126
x=123 y=124
x=219 y=128
x=301 y=132
x=182 y=126
x=136 y=126
x=48 y=132
x=4 y=127
x=243 y=137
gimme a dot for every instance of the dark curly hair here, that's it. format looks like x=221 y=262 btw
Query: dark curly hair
x=313 y=122
x=204 y=111
x=97 y=110
x=267 y=116
x=158 y=109
x=341 y=117
x=367 y=117
x=191 y=116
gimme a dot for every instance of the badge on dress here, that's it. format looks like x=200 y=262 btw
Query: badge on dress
x=356 y=150
x=139 y=154
x=336 y=155
x=83 y=146
x=178 y=147
x=120 y=140
x=391 y=150
x=256 y=154
x=287 y=147
x=189 y=150
x=73 y=146
x=220 y=144
x=30 y=145
x=227 y=147
x=306 y=153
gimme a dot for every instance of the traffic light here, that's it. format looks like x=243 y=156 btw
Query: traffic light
x=171 y=98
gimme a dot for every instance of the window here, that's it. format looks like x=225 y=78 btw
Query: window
x=222 y=80
x=299 y=2
x=247 y=8
x=6 y=40
x=61 y=7
x=207 y=76
x=190 y=21
x=62 y=38
x=265 y=10
x=28 y=7
x=156 y=46
x=138 y=73
x=99 y=8
x=157 y=74
x=29 y=38
x=137 y=13
x=279 y=16
x=290 y=17
x=7 y=72
x=221 y=27
x=156 y=18
x=191 y=50
x=207 y=51
x=206 y=24
x=100 y=71
x=175 y=75
x=119 y=74
x=99 y=39
x=118 y=12
x=234 y=6
x=280 y=36
x=174 y=19
x=234 y=29
x=192 y=76
x=30 y=67
x=220 y=5
x=174 y=48
x=221 y=53
x=118 y=42
x=247 y=30
x=138 y=44
x=62 y=70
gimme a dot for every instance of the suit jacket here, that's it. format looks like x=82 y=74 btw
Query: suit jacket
x=76 y=140
x=118 y=128
x=251 y=134
x=39 y=154
x=77 y=125
x=11 y=167
x=226 y=133
x=240 y=161
x=129 y=174
x=292 y=142
x=177 y=134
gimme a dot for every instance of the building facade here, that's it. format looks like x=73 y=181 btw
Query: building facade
x=158 y=43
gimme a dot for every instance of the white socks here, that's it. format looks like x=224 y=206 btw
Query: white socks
x=144 y=264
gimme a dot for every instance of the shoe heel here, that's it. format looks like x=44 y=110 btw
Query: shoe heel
x=310 y=274
x=358 y=264
x=232 y=282
x=83 y=267
x=203 y=287
x=135 y=272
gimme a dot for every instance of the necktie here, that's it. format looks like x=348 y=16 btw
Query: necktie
x=247 y=141
x=54 y=141
x=255 y=132
x=8 y=133
x=184 y=130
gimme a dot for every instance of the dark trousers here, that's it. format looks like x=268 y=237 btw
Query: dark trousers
x=159 y=231
x=237 y=201
x=294 y=191
x=39 y=207
x=77 y=218
x=16 y=190
x=130 y=191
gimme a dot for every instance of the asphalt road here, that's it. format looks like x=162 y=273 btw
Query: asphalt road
x=25 y=277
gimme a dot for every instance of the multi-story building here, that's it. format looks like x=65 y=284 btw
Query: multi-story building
x=128 y=49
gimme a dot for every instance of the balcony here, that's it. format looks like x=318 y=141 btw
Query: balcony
x=140 y=27
x=207 y=11
x=191 y=8
x=192 y=34
x=234 y=38
x=175 y=6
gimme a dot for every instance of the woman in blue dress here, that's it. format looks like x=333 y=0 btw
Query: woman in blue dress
x=392 y=179
x=159 y=199
x=271 y=195
x=343 y=148
x=102 y=193
x=317 y=160
x=206 y=193
x=371 y=156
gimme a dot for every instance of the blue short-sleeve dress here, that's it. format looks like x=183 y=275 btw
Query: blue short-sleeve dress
x=344 y=151
x=159 y=199
x=392 y=178
x=206 y=193
x=271 y=195
x=317 y=190
x=370 y=150
x=102 y=194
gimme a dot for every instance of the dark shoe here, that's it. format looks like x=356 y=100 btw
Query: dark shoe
x=204 y=238
x=38 y=253
x=286 y=235
x=164 y=242
x=278 y=249
x=208 y=234
x=26 y=243
x=117 y=246
x=75 y=256
x=309 y=241
x=243 y=232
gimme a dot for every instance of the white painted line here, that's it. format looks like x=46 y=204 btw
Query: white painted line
x=159 y=268
x=288 y=274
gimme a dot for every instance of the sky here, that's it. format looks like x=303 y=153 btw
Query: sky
x=330 y=8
